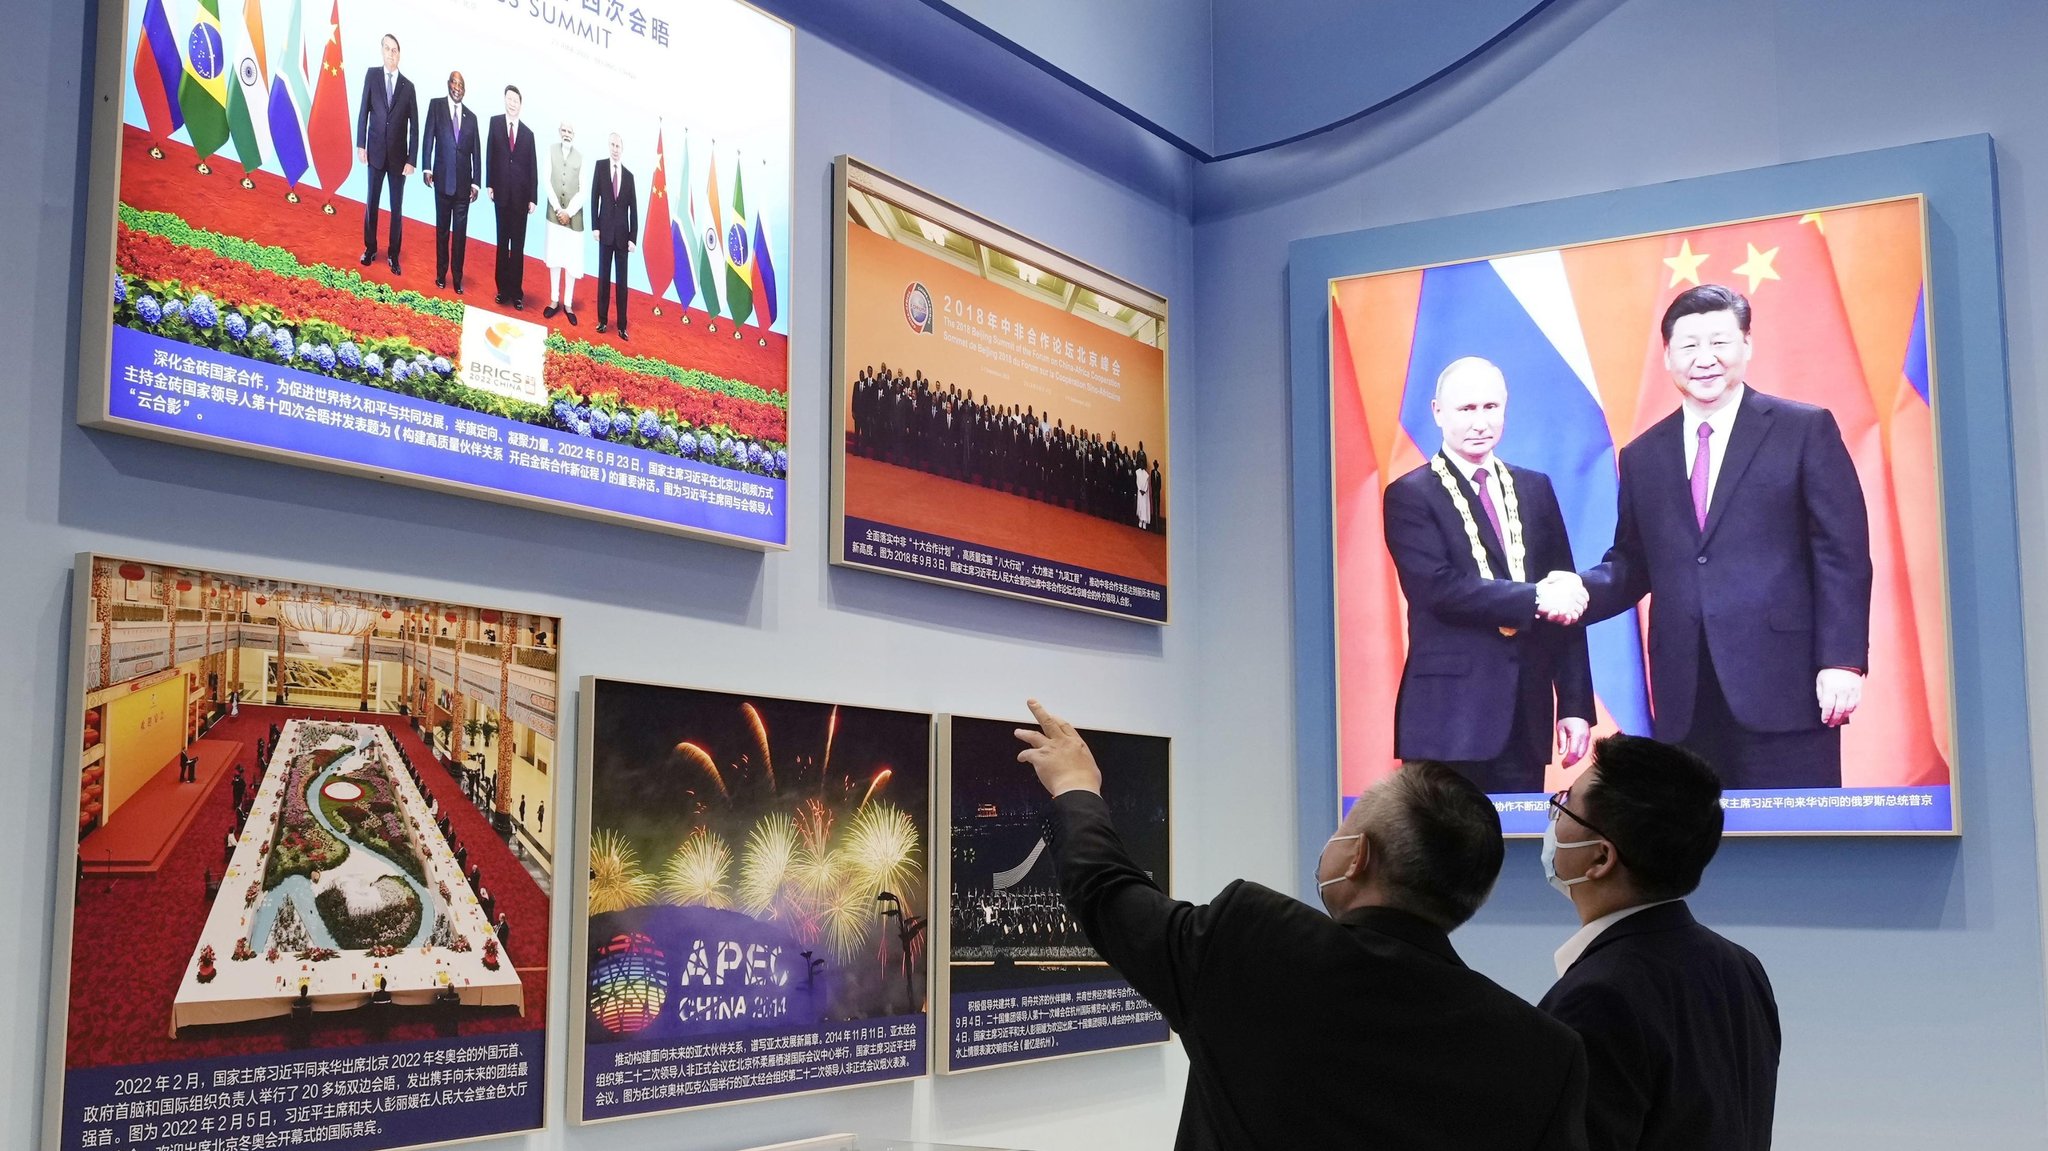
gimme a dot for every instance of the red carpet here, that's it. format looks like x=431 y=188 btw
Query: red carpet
x=910 y=498
x=134 y=934
x=140 y=834
x=219 y=203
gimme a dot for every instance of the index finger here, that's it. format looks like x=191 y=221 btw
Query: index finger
x=1047 y=720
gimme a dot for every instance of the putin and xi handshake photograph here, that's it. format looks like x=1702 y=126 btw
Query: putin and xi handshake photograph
x=1740 y=516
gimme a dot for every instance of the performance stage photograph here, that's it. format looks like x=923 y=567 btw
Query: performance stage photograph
x=537 y=258
x=1001 y=408
x=1007 y=927
x=1681 y=484
x=310 y=819
x=758 y=882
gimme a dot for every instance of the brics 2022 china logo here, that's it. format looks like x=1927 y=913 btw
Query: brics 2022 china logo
x=917 y=308
x=503 y=356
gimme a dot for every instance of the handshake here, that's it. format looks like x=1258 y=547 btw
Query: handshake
x=1561 y=597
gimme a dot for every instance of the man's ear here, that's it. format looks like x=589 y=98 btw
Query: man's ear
x=1361 y=860
x=1605 y=861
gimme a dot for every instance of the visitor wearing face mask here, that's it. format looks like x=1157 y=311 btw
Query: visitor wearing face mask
x=1680 y=1025
x=1359 y=1028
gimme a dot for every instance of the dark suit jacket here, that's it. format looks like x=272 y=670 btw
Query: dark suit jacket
x=617 y=218
x=1681 y=1036
x=388 y=128
x=1304 y=1031
x=1780 y=577
x=1463 y=677
x=511 y=170
x=456 y=160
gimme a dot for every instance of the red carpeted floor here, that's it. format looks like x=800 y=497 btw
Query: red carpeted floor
x=219 y=203
x=132 y=935
x=910 y=498
x=141 y=832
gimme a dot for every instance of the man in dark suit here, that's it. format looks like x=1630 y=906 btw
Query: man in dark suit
x=387 y=139
x=616 y=209
x=1742 y=515
x=1680 y=1025
x=452 y=148
x=1489 y=687
x=512 y=181
x=1360 y=1028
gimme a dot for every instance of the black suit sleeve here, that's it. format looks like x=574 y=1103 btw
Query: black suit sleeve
x=363 y=116
x=436 y=113
x=1573 y=673
x=1618 y=1057
x=1838 y=525
x=476 y=160
x=1154 y=941
x=1568 y=1126
x=1623 y=577
x=412 y=122
x=1436 y=583
x=632 y=208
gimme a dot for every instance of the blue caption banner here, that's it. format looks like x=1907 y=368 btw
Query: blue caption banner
x=912 y=552
x=199 y=391
x=622 y=1079
x=1788 y=810
x=991 y=1028
x=340 y=1099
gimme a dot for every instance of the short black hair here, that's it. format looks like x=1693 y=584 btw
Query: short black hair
x=514 y=90
x=1703 y=299
x=1659 y=805
x=1437 y=839
x=394 y=41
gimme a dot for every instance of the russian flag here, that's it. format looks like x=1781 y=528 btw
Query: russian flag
x=158 y=69
x=1518 y=313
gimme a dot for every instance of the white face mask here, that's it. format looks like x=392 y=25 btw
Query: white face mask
x=1325 y=883
x=1550 y=849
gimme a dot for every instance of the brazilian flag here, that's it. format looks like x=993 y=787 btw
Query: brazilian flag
x=203 y=92
x=739 y=255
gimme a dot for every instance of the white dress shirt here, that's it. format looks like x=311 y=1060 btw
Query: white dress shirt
x=1468 y=469
x=1723 y=423
x=1584 y=936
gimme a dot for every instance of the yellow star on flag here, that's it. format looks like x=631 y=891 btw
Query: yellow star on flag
x=1758 y=267
x=1685 y=266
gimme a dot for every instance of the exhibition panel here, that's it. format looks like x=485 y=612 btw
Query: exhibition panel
x=1020 y=981
x=993 y=403
x=752 y=925
x=240 y=306
x=366 y=860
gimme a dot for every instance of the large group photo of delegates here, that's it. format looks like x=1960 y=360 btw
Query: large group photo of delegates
x=1017 y=449
x=459 y=161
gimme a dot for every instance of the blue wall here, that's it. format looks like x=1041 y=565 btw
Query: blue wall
x=1910 y=973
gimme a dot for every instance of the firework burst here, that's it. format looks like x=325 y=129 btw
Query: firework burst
x=699 y=758
x=761 y=736
x=881 y=849
x=772 y=855
x=696 y=873
x=875 y=785
x=616 y=881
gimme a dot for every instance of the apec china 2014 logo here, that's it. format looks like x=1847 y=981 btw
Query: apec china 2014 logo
x=917 y=308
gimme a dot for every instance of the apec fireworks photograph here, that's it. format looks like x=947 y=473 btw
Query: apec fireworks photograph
x=759 y=886
x=533 y=252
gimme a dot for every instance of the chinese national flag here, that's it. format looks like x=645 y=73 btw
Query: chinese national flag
x=656 y=247
x=327 y=125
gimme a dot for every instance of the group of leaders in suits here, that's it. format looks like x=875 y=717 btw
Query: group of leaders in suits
x=1359 y=1026
x=1740 y=515
x=459 y=162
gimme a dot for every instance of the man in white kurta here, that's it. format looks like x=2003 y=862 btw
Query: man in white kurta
x=565 y=224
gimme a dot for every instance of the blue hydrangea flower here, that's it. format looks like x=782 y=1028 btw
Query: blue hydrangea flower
x=442 y=367
x=235 y=325
x=687 y=445
x=668 y=436
x=781 y=462
x=202 y=312
x=261 y=332
x=373 y=364
x=349 y=356
x=707 y=444
x=725 y=446
x=600 y=423
x=649 y=425
x=173 y=309
x=281 y=343
x=400 y=371
x=565 y=415
x=305 y=349
x=580 y=426
x=150 y=311
x=324 y=356
x=120 y=290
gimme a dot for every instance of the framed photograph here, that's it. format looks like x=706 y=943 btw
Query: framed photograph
x=1020 y=982
x=756 y=904
x=1724 y=437
x=532 y=253
x=312 y=861
x=999 y=414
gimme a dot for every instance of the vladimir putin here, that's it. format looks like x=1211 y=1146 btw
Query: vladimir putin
x=615 y=206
